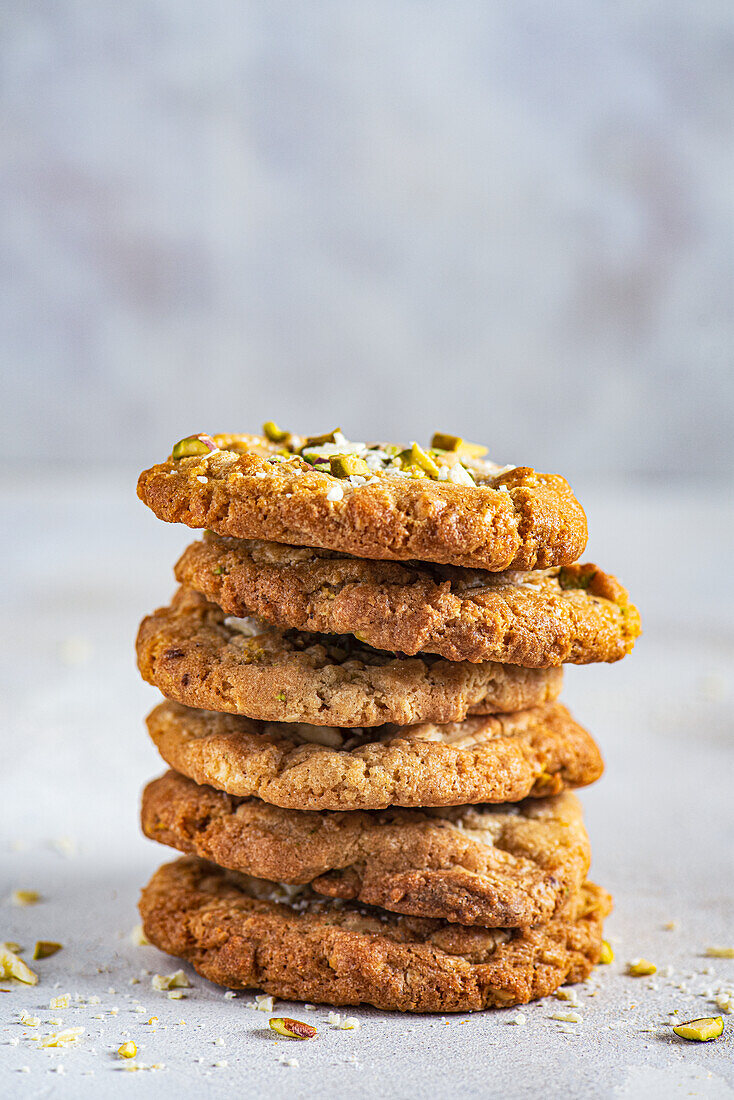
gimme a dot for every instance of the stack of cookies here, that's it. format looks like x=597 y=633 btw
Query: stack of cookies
x=371 y=772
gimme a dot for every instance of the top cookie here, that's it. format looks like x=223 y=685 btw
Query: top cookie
x=444 y=504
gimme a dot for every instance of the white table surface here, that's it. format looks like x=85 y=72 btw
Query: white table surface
x=84 y=561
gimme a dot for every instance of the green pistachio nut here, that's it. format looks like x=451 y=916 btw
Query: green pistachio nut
x=348 y=466
x=441 y=441
x=420 y=458
x=194 y=445
x=274 y=433
x=701 y=1031
x=319 y=440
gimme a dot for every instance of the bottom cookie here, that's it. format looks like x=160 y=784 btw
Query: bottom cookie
x=245 y=933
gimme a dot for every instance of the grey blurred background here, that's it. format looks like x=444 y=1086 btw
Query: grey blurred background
x=508 y=220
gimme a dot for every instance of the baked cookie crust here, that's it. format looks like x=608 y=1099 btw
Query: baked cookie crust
x=497 y=758
x=201 y=657
x=496 y=866
x=574 y=613
x=252 y=488
x=230 y=931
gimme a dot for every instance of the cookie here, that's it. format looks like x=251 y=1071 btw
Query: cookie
x=199 y=656
x=233 y=932
x=573 y=613
x=437 y=505
x=497 y=866
x=499 y=758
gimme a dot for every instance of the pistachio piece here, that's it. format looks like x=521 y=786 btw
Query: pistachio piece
x=292 y=1029
x=416 y=458
x=348 y=465
x=10 y=945
x=641 y=968
x=319 y=440
x=709 y=1027
x=127 y=1050
x=194 y=445
x=25 y=897
x=423 y=460
x=45 y=948
x=606 y=955
x=13 y=967
x=274 y=433
x=441 y=441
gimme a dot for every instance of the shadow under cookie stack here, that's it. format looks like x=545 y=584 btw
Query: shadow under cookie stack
x=371 y=772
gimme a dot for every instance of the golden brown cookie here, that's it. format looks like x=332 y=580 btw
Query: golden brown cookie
x=199 y=656
x=497 y=866
x=573 y=613
x=232 y=932
x=500 y=758
x=444 y=506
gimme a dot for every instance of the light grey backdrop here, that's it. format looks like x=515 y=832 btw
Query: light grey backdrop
x=511 y=220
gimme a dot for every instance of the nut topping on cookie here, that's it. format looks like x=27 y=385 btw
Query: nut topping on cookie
x=194 y=445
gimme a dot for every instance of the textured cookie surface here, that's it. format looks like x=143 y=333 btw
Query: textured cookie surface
x=538 y=619
x=498 y=758
x=506 y=865
x=199 y=656
x=232 y=932
x=251 y=488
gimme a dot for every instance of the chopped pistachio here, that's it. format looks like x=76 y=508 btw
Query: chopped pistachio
x=641 y=968
x=13 y=967
x=292 y=1029
x=280 y=696
x=10 y=945
x=194 y=445
x=710 y=1027
x=348 y=466
x=25 y=897
x=218 y=570
x=420 y=458
x=45 y=948
x=607 y=954
x=274 y=433
x=319 y=440
x=441 y=441
x=127 y=1050
x=720 y=952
